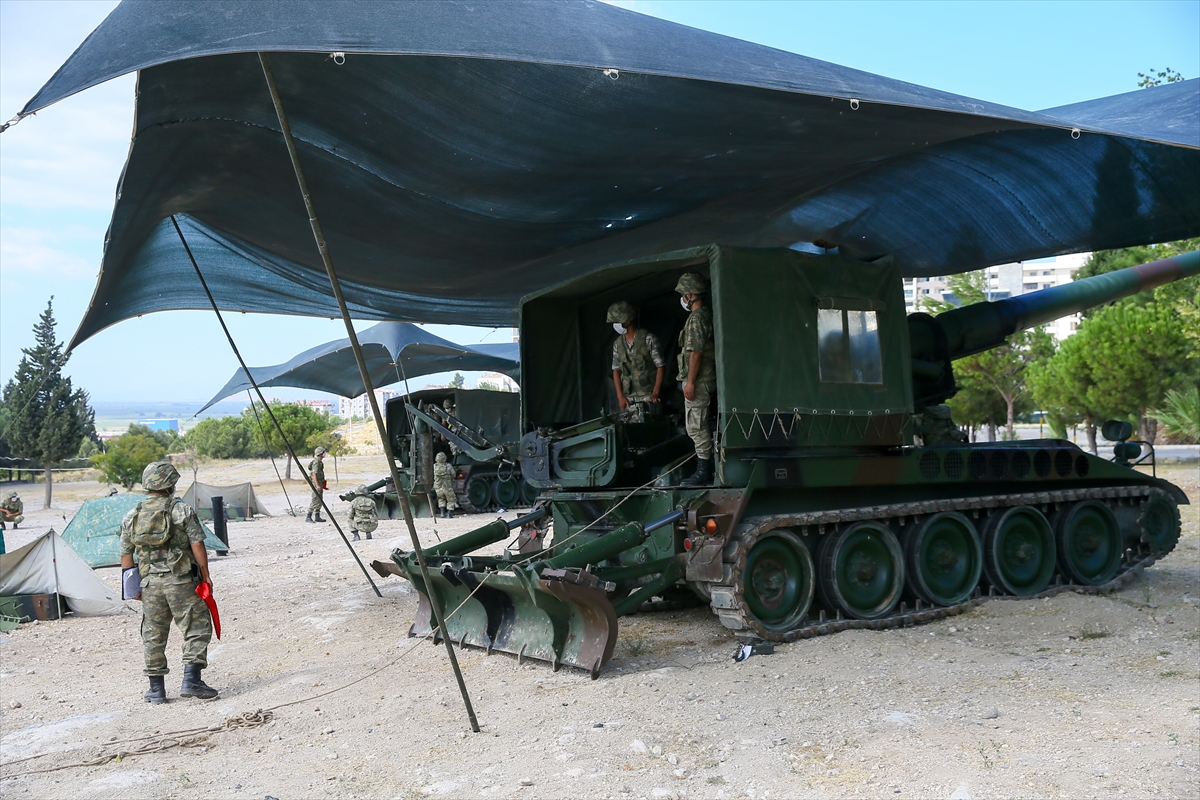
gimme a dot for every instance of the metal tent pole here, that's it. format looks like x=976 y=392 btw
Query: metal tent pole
x=266 y=407
x=319 y=236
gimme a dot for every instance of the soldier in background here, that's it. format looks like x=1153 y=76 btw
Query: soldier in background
x=638 y=366
x=697 y=373
x=316 y=471
x=163 y=534
x=364 y=516
x=11 y=510
x=934 y=426
x=443 y=486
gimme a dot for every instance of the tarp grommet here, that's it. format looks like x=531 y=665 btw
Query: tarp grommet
x=338 y=57
x=854 y=104
x=1075 y=132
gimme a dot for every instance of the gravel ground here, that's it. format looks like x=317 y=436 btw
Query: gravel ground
x=1074 y=696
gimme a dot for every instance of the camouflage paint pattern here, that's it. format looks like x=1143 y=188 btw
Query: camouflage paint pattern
x=364 y=516
x=166 y=598
x=443 y=486
x=316 y=470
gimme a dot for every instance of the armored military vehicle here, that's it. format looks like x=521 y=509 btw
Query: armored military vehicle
x=824 y=512
x=477 y=429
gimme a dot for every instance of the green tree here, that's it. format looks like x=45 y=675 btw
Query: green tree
x=1060 y=387
x=222 y=437
x=1152 y=78
x=50 y=418
x=299 y=423
x=458 y=381
x=5 y=421
x=128 y=455
x=1133 y=352
x=490 y=386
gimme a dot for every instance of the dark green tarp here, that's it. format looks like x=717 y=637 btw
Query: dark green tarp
x=464 y=154
x=394 y=352
x=95 y=530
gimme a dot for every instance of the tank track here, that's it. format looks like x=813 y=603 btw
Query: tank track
x=737 y=617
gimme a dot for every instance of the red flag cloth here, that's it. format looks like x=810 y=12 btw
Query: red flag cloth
x=325 y=486
x=205 y=593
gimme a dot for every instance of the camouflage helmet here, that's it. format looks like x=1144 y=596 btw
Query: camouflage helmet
x=447 y=404
x=320 y=451
x=13 y=496
x=938 y=412
x=159 y=476
x=361 y=490
x=440 y=458
x=691 y=283
x=620 y=311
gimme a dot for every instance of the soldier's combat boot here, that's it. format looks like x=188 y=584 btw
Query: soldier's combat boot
x=355 y=539
x=703 y=475
x=158 y=690
x=368 y=535
x=194 y=685
x=308 y=518
x=318 y=517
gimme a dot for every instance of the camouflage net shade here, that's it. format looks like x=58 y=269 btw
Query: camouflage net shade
x=462 y=155
x=95 y=530
x=393 y=351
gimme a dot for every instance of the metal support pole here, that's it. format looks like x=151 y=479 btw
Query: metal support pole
x=319 y=236
x=266 y=407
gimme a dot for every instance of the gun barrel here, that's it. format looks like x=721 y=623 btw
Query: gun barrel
x=982 y=326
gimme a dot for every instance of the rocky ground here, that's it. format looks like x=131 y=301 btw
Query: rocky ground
x=1074 y=696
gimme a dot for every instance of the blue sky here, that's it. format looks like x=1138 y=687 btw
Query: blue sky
x=59 y=170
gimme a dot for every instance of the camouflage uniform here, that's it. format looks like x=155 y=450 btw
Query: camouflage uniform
x=443 y=484
x=169 y=584
x=316 y=470
x=364 y=516
x=11 y=510
x=697 y=334
x=935 y=426
x=638 y=362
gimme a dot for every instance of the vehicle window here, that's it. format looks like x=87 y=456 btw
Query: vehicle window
x=848 y=346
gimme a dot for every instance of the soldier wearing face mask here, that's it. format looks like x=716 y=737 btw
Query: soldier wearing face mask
x=638 y=366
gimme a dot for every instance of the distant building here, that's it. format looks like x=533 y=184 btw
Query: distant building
x=324 y=406
x=160 y=424
x=350 y=407
x=1004 y=281
x=500 y=381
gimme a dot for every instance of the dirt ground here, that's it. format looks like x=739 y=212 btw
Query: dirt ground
x=1074 y=696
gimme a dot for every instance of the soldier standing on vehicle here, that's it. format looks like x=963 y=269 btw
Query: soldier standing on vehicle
x=163 y=534
x=364 y=516
x=697 y=373
x=316 y=471
x=638 y=366
x=443 y=486
x=11 y=510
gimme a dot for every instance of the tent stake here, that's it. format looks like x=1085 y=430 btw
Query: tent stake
x=303 y=472
x=319 y=236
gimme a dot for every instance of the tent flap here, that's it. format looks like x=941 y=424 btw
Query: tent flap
x=47 y=565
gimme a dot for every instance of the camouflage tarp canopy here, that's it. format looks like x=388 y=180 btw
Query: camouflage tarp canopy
x=462 y=155
x=394 y=351
x=239 y=499
x=95 y=530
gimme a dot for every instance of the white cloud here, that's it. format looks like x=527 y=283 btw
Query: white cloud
x=33 y=253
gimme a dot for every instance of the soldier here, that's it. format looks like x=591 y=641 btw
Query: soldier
x=164 y=535
x=697 y=373
x=316 y=471
x=443 y=486
x=11 y=510
x=363 y=514
x=935 y=426
x=638 y=366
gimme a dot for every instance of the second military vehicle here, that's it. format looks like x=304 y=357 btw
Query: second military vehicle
x=824 y=512
x=477 y=429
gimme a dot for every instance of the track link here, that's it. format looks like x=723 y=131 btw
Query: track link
x=727 y=596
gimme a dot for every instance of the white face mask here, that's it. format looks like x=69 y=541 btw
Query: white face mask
x=683 y=301
x=618 y=327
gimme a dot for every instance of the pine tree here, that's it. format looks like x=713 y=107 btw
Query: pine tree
x=50 y=418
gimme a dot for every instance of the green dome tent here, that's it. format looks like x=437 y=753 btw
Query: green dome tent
x=95 y=530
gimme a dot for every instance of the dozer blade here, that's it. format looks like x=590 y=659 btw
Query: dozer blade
x=550 y=620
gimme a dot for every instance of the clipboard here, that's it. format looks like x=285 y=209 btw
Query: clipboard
x=131 y=583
